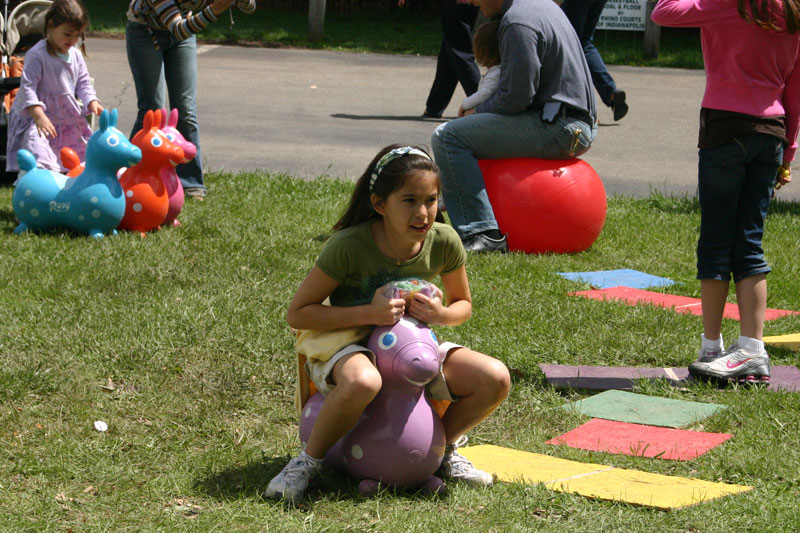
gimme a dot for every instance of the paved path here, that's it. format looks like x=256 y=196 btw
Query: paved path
x=310 y=113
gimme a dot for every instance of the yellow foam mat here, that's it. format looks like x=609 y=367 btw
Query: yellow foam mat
x=791 y=340
x=597 y=481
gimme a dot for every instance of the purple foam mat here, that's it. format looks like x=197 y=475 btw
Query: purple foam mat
x=624 y=377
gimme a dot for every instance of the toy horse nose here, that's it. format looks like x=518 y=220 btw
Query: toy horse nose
x=421 y=369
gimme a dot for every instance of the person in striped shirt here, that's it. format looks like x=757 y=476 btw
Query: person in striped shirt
x=162 y=54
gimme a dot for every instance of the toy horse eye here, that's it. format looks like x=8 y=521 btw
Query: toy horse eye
x=387 y=340
x=156 y=141
x=112 y=140
x=170 y=136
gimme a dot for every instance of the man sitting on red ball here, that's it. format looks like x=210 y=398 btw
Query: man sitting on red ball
x=544 y=107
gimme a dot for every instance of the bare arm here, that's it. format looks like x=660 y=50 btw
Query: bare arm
x=459 y=302
x=306 y=310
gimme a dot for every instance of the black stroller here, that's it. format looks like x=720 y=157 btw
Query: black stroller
x=21 y=29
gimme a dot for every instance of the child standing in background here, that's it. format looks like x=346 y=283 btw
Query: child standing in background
x=748 y=137
x=486 y=46
x=47 y=114
x=389 y=232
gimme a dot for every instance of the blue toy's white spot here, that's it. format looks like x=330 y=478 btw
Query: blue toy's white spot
x=387 y=340
x=356 y=451
x=96 y=213
x=156 y=141
x=93 y=199
x=34 y=212
x=112 y=140
x=21 y=203
x=433 y=336
x=81 y=218
x=129 y=193
x=28 y=192
x=137 y=207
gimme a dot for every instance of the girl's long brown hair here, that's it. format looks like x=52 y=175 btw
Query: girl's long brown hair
x=763 y=13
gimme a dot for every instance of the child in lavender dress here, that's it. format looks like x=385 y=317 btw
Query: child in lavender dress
x=47 y=114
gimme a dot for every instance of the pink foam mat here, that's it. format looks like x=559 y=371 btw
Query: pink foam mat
x=680 y=304
x=624 y=377
x=640 y=440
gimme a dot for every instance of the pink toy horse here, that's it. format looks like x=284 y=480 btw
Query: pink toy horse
x=168 y=174
x=399 y=440
x=147 y=201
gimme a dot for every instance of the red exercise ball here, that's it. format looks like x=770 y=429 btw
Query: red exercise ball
x=546 y=205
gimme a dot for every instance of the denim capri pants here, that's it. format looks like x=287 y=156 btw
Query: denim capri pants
x=735 y=185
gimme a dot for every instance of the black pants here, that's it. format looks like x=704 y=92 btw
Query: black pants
x=456 y=62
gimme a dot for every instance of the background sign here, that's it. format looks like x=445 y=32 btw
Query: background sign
x=623 y=15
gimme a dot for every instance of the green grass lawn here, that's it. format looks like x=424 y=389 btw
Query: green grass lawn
x=178 y=342
x=400 y=31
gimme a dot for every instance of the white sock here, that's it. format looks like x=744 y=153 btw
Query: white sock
x=753 y=346
x=715 y=345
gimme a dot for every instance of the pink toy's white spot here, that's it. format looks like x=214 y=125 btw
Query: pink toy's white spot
x=356 y=451
x=34 y=212
x=137 y=207
x=129 y=193
x=96 y=213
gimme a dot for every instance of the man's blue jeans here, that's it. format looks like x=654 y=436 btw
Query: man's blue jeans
x=735 y=186
x=174 y=64
x=457 y=145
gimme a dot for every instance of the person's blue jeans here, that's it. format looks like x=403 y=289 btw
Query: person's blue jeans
x=457 y=145
x=584 y=15
x=174 y=64
x=735 y=186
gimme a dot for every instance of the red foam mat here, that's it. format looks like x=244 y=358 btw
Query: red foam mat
x=680 y=304
x=636 y=439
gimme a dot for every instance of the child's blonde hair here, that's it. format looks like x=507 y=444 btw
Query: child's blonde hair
x=71 y=12
x=486 y=45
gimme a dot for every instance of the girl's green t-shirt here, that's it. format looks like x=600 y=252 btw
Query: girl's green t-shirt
x=351 y=257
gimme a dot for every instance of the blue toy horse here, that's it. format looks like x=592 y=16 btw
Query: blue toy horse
x=92 y=203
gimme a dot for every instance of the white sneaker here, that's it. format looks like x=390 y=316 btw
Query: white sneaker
x=291 y=483
x=458 y=467
x=735 y=364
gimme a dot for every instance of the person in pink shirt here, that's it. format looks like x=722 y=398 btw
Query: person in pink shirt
x=748 y=137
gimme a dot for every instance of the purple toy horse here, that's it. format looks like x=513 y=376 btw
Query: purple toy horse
x=399 y=440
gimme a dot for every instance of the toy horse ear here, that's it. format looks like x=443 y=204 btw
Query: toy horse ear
x=173 y=117
x=104 y=120
x=157 y=120
x=113 y=118
x=148 y=120
x=163 y=117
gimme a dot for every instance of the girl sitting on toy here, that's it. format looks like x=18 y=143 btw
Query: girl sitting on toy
x=55 y=93
x=388 y=232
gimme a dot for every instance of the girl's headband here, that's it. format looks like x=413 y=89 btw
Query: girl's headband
x=391 y=156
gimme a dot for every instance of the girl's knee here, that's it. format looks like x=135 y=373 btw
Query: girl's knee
x=499 y=378
x=362 y=384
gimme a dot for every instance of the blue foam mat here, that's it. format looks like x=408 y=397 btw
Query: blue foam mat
x=625 y=277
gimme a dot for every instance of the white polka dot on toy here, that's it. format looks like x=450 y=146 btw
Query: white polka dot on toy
x=137 y=207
